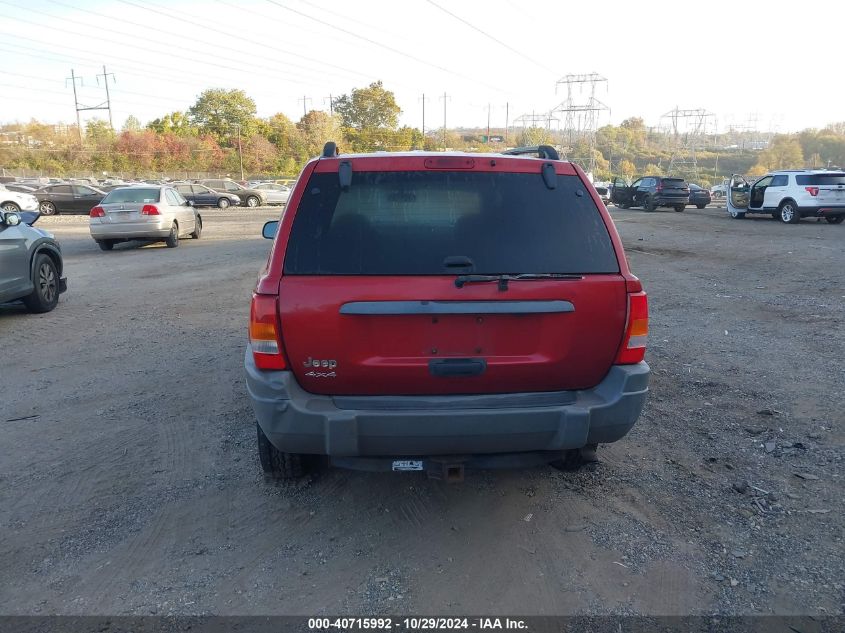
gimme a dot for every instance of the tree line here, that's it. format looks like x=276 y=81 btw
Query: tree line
x=222 y=124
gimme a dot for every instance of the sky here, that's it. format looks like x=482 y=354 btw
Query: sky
x=748 y=63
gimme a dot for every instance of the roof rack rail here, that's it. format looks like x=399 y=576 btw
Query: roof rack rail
x=330 y=150
x=542 y=151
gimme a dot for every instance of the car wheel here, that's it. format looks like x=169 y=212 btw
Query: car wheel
x=788 y=213
x=105 y=245
x=47 y=208
x=623 y=205
x=172 y=240
x=197 y=229
x=680 y=207
x=700 y=206
x=737 y=215
x=252 y=202
x=223 y=203
x=575 y=459
x=835 y=219
x=648 y=203
x=11 y=207
x=45 y=296
x=276 y=464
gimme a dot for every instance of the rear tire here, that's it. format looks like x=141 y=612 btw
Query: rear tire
x=700 y=206
x=278 y=466
x=252 y=202
x=105 y=245
x=45 y=295
x=223 y=203
x=172 y=240
x=788 y=213
x=835 y=219
x=680 y=207
x=648 y=203
x=577 y=458
x=197 y=229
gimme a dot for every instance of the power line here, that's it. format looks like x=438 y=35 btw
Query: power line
x=381 y=45
x=487 y=35
x=168 y=47
x=228 y=34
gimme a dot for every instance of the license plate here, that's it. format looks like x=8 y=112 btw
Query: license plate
x=408 y=464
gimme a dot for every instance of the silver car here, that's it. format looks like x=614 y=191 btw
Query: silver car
x=275 y=193
x=154 y=214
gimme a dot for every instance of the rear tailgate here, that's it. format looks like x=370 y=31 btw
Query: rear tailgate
x=829 y=188
x=369 y=305
x=675 y=188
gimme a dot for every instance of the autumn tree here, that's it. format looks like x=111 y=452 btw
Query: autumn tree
x=784 y=152
x=218 y=111
x=368 y=108
x=317 y=128
x=174 y=122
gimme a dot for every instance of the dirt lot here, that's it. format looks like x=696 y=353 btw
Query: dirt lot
x=129 y=481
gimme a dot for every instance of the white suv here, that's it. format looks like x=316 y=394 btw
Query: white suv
x=790 y=195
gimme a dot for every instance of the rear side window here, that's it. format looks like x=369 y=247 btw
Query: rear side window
x=133 y=195
x=408 y=223
x=821 y=179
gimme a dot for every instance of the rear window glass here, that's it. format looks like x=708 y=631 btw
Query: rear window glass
x=674 y=182
x=136 y=194
x=408 y=223
x=821 y=179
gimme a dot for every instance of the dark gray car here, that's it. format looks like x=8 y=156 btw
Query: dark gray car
x=249 y=197
x=31 y=265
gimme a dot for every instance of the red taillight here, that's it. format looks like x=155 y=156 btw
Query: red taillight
x=813 y=191
x=98 y=212
x=632 y=350
x=264 y=333
x=150 y=209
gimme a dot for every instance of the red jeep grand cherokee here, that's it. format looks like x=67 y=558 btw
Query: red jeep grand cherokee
x=430 y=311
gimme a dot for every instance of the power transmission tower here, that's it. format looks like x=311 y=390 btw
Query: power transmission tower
x=105 y=77
x=582 y=111
x=331 y=104
x=688 y=129
x=105 y=105
x=445 y=98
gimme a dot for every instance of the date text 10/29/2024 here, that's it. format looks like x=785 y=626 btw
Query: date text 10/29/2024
x=416 y=624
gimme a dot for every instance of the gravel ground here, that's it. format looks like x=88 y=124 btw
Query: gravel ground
x=129 y=482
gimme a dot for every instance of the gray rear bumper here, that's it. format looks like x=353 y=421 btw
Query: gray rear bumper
x=296 y=421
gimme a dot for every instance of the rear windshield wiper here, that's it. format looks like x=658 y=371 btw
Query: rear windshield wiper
x=462 y=280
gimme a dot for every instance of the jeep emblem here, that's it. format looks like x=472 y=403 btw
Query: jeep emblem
x=325 y=364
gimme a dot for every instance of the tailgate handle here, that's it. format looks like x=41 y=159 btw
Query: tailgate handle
x=457 y=367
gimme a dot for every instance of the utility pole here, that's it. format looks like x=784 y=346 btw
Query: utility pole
x=445 y=98
x=331 y=104
x=507 y=123
x=240 y=152
x=423 y=99
x=304 y=100
x=488 y=123
x=75 y=103
x=105 y=77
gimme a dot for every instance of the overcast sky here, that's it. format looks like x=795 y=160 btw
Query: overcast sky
x=771 y=63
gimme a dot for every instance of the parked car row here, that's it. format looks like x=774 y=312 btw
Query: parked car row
x=53 y=196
